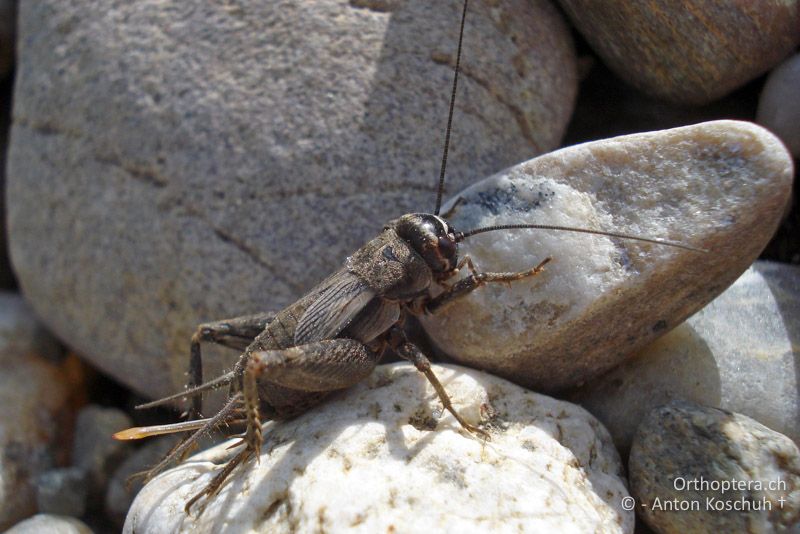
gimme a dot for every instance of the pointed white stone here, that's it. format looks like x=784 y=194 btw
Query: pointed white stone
x=719 y=185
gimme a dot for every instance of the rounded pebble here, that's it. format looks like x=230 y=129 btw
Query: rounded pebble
x=738 y=353
x=699 y=469
x=50 y=524
x=689 y=52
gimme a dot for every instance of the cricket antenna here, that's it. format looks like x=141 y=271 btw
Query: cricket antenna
x=450 y=113
x=460 y=236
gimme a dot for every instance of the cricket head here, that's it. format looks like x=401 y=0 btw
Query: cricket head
x=432 y=238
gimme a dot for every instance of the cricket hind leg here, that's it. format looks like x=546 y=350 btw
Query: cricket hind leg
x=317 y=367
x=408 y=351
x=235 y=333
x=474 y=281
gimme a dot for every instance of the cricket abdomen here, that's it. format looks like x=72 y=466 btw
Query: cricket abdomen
x=363 y=324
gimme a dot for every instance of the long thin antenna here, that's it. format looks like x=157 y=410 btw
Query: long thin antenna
x=460 y=236
x=450 y=113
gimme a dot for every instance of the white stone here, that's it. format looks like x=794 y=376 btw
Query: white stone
x=719 y=185
x=50 y=524
x=378 y=459
x=739 y=353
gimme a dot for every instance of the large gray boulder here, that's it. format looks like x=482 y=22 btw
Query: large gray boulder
x=178 y=162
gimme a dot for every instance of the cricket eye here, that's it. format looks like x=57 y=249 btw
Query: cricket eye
x=447 y=246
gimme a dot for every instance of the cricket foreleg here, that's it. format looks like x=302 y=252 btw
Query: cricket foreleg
x=413 y=354
x=474 y=281
x=236 y=333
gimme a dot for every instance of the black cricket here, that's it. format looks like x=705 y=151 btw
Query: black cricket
x=333 y=337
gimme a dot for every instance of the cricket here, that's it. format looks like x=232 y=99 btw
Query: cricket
x=335 y=335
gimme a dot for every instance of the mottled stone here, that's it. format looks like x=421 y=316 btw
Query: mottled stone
x=779 y=105
x=50 y=524
x=62 y=492
x=226 y=157
x=739 y=353
x=95 y=451
x=699 y=469
x=381 y=458
x=720 y=185
x=693 y=51
x=35 y=413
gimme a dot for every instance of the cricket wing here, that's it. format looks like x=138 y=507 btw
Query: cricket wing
x=336 y=303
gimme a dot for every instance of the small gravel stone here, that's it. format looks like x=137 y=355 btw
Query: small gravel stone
x=62 y=492
x=779 y=105
x=95 y=451
x=700 y=469
x=50 y=524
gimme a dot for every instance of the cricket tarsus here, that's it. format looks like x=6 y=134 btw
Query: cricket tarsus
x=440 y=188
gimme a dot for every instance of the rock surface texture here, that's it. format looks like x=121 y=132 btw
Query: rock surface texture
x=779 y=105
x=175 y=163
x=720 y=185
x=379 y=459
x=740 y=475
x=35 y=414
x=739 y=353
x=692 y=51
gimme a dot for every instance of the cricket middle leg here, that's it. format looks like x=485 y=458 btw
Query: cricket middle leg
x=408 y=351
